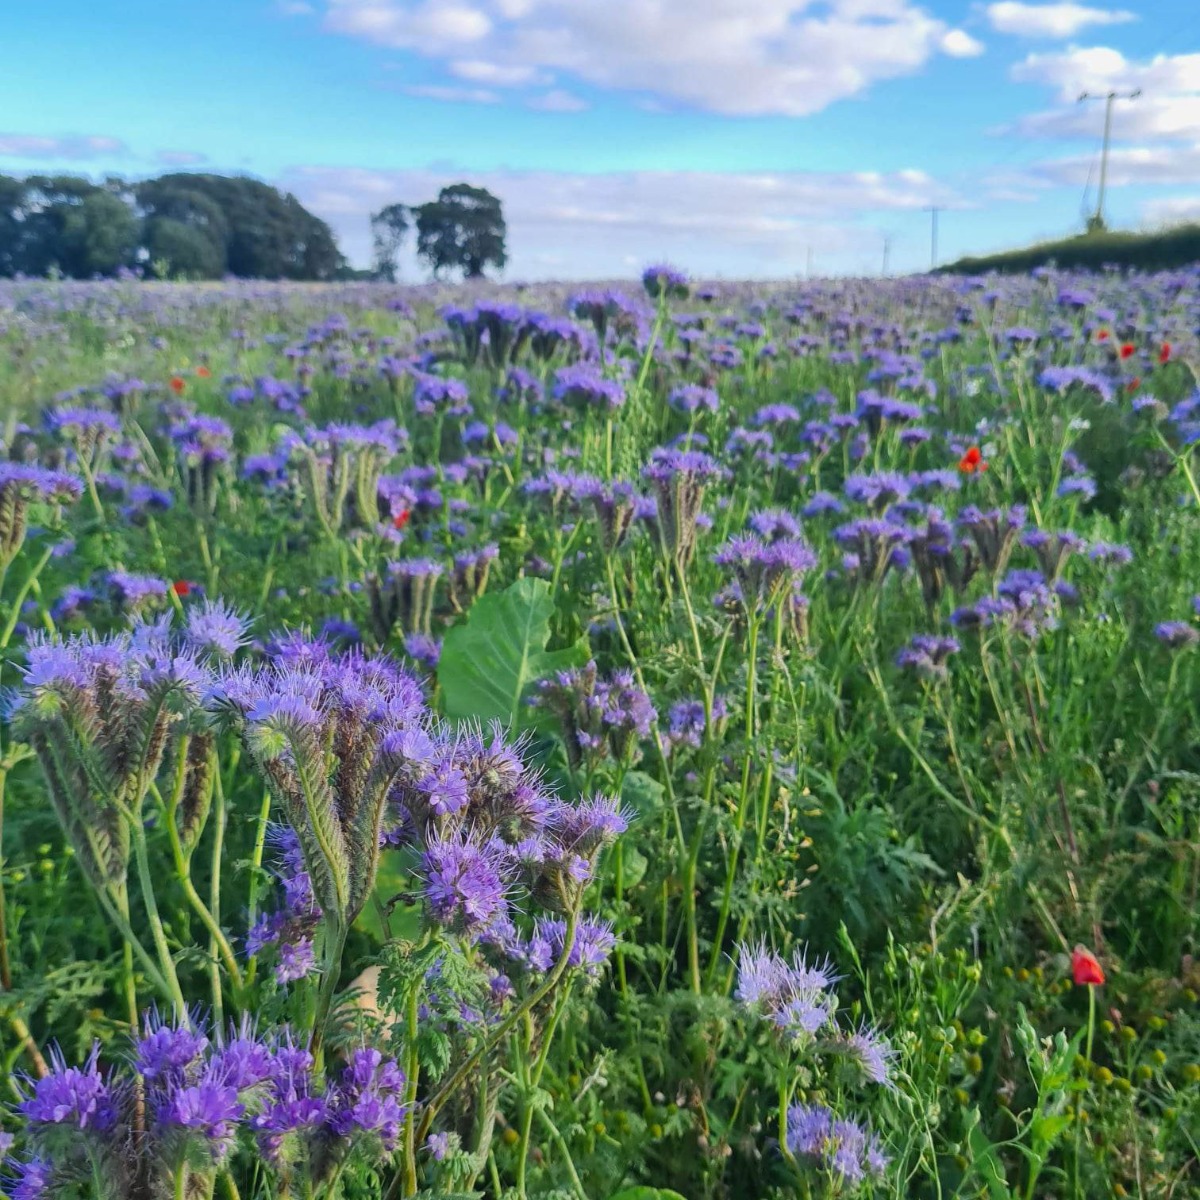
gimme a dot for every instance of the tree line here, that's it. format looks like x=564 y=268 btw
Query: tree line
x=182 y=226
x=199 y=226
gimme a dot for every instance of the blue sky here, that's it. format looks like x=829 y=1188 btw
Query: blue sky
x=734 y=137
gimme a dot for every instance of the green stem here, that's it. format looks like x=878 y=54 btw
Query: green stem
x=1087 y=1054
x=447 y=1089
x=216 y=941
x=335 y=943
x=157 y=932
x=557 y=1139
x=743 y=807
x=260 y=839
x=183 y=863
x=412 y=1073
x=22 y=594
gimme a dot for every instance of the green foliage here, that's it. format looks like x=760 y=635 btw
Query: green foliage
x=462 y=230
x=1162 y=250
x=200 y=226
x=388 y=229
x=489 y=662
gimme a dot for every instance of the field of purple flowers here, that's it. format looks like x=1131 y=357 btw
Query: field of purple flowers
x=600 y=743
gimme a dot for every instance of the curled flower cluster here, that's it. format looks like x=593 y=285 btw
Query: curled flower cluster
x=798 y=998
x=187 y=1101
x=599 y=718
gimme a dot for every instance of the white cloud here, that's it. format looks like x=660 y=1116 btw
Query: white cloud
x=494 y=74
x=1101 y=69
x=22 y=145
x=557 y=101
x=960 y=44
x=1171 y=210
x=1168 y=108
x=453 y=95
x=1050 y=20
x=294 y=8
x=435 y=27
x=1141 y=165
x=587 y=226
x=790 y=57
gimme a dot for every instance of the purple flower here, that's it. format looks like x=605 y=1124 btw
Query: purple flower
x=209 y=1108
x=75 y=1096
x=662 y=281
x=464 y=886
x=691 y=398
x=927 y=654
x=584 y=386
x=1177 y=635
x=368 y=1098
x=164 y=1051
x=216 y=630
x=871 y=1053
x=33 y=1180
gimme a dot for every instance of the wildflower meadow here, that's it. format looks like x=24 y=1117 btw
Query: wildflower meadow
x=600 y=743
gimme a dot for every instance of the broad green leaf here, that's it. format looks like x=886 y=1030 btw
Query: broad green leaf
x=489 y=661
x=404 y=922
x=646 y=1193
x=635 y=866
x=642 y=793
x=987 y=1162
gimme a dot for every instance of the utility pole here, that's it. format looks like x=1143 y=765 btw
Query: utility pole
x=808 y=264
x=933 y=211
x=1096 y=224
x=887 y=250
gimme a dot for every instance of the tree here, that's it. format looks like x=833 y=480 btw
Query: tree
x=388 y=229
x=199 y=226
x=12 y=214
x=256 y=231
x=100 y=236
x=463 y=229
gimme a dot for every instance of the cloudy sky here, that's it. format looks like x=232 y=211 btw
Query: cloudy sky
x=741 y=138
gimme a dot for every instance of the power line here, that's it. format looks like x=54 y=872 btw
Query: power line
x=1097 y=221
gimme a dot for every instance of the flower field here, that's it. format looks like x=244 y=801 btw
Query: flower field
x=611 y=743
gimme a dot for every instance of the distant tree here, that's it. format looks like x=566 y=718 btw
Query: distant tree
x=255 y=230
x=389 y=226
x=12 y=214
x=463 y=229
x=198 y=226
x=100 y=235
x=185 y=251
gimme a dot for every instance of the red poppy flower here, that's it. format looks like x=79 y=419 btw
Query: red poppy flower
x=203 y=372
x=401 y=518
x=1133 y=385
x=1164 y=355
x=177 y=384
x=1127 y=350
x=181 y=587
x=972 y=461
x=1085 y=967
x=1102 y=336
